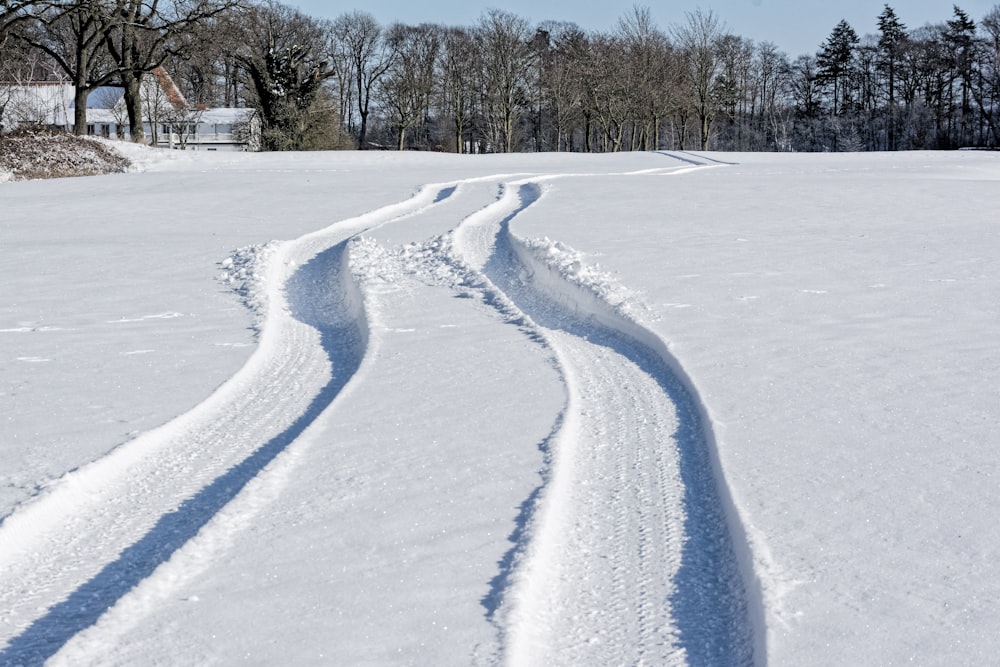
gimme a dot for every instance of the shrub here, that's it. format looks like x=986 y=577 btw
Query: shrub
x=33 y=153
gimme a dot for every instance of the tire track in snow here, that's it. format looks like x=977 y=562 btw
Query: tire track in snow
x=72 y=552
x=101 y=531
x=217 y=536
x=627 y=557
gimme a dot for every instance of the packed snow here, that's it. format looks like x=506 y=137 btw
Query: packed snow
x=398 y=408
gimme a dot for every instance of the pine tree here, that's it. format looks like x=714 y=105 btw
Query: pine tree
x=893 y=34
x=836 y=57
x=960 y=36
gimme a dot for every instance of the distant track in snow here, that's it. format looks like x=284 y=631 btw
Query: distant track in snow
x=627 y=557
x=70 y=553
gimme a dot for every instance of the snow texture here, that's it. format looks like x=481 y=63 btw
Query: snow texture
x=431 y=429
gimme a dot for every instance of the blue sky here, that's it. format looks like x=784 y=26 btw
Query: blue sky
x=796 y=26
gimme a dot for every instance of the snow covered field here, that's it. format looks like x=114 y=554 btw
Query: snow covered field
x=387 y=409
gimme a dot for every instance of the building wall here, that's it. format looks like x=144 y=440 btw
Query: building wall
x=51 y=105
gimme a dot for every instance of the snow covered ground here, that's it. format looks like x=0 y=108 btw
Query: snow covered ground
x=383 y=408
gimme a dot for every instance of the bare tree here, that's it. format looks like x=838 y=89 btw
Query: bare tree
x=360 y=36
x=806 y=96
x=20 y=67
x=652 y=65
x=774 y=118
x=182 y=124
x=71 y=35
x=408 y=85
x=459 y=72
x=201 y=63
x=608 y=90
x=140 y=34
x=506 y=57
x=562 y=81
x=342 y=65
x=13 y=12
x=736 y=88
x=163 y=105
x=698 y=40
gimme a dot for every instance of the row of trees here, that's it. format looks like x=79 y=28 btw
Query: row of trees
x=504 y=85
x=934 y=87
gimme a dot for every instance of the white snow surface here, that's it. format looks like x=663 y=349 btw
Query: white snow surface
x=419 y=409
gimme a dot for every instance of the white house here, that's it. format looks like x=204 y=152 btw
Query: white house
x=217 y=129
x=168 y=120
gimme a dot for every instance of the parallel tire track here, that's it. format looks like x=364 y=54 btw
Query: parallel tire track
x=70 y=553
x=625 y=559
x=628 y=558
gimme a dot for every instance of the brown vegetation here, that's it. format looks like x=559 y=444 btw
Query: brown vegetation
x=34 y=153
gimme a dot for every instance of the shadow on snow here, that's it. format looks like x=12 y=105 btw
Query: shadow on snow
x=710 y=602
x=317 y=297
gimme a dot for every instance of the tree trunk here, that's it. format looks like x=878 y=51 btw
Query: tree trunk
x=133 y=106
x=363 y=132
x=80 y=110
x=82 y=90
x=459 y=136
x=892 y=105
x=508 y=129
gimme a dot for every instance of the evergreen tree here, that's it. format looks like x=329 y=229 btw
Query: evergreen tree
x=835 y=60
x=890 y=41
x=960 y=36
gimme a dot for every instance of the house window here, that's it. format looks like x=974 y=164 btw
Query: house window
x=105 y=130
x=90 y=130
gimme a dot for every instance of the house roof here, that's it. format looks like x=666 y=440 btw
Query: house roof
x=169 y=88
x=227 y=115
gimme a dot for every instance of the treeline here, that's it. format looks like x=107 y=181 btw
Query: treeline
x=506 y=85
